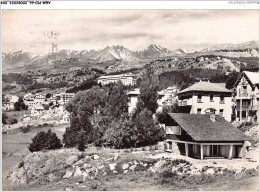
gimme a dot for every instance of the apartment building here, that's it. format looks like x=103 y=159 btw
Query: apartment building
x=133 y=99
x=204 y=98
x=126 y=79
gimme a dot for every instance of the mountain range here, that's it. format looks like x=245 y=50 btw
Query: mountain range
x=21 y=58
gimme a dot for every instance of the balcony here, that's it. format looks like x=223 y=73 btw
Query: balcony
x=244 y=94
x=244 y=107
x=184 y=102
x=254 y=108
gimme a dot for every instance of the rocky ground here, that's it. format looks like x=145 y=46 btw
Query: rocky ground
x=109 y=169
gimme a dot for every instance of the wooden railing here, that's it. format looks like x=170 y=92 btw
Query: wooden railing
x=244 y=94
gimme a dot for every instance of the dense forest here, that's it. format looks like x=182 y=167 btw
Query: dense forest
x=18 y=78
x=252 y=62
x=185 y=78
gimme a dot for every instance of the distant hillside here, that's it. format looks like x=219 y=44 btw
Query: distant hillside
x=114 y=58
x=232 y=47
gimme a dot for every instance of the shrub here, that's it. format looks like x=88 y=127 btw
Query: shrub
x=121 y=134
x=13 y=121
x=80 y=130
x=4 y=118
x=81 y=146
x=45 y=140
x=25 y=129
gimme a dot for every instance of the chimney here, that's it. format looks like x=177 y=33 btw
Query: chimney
x=212 y=117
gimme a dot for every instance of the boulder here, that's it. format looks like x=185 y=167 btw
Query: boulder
x=161 y=146
x=95 y=157
x=125 y=171
x=85 y=174
x=79 y=163
x=68 y=174
x=136 y=163
x=72 y=159
x=77 y=172
x=86 y=158
x=87 y=166
x=132 y=168
x=147 y=148
x=101 y=167
x=112 y=166
x=125 y=166
x=210 y=171
x=21 y=174
x=116 y=157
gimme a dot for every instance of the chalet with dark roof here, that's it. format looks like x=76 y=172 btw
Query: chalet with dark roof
x=204 y=136
x=247 y=96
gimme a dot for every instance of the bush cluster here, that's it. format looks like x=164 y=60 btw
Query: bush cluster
x=45 y=140
x=100 y=116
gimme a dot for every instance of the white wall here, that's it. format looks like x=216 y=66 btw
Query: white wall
x=206 y=103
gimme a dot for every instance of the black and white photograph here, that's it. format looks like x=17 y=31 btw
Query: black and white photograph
x=130 y=99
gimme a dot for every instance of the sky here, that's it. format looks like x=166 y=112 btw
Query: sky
x=30 y=30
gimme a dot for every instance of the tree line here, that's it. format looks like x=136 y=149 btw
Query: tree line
x=99 y=116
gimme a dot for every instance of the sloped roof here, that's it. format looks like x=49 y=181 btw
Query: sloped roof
x=137 y=92
x=116 y=76
x=207 y=86
x=134 y=92
x=201 y=128
x=253 y=77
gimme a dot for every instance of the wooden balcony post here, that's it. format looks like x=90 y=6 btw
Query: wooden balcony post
x=240 y=113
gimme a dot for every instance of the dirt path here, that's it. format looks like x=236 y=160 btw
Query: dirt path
x=245 y=184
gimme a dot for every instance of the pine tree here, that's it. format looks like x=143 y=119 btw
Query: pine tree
x=148 y=92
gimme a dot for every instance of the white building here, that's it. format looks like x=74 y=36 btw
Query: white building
x=126 y=79
x=41 y=97
x=133 y=99
x=170 y=95
x=247 y=96
x=64 y=97
x=10 y=101
x=204 y=97
x=37 y=110
x=61 y=98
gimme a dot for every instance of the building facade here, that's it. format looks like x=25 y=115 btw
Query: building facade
x=247 y=96
x=205 y=97
x=126 y=79
x=9 y=102
x=133 y=99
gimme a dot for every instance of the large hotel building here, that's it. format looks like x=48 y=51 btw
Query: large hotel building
x=126 y=79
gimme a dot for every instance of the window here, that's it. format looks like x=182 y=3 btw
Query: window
x=244 y=87
x=221 y=111
x=199 y=98
x=199 y=111
x=214 y=150
x=222 y=100
x=173 y=130
x=211 y=97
